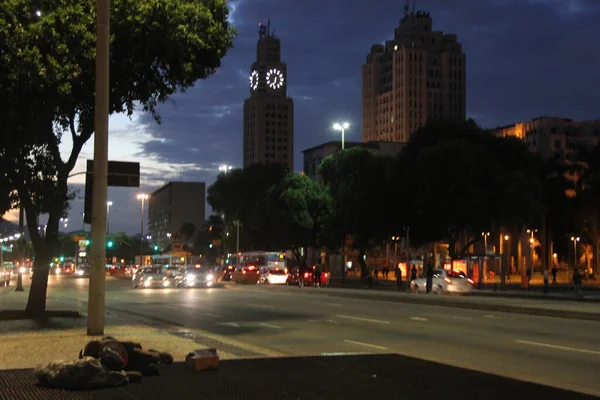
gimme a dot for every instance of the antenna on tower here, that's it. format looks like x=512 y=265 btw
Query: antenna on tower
x=406 y=7
x=268 y=26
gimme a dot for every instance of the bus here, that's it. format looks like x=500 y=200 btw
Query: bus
x=263 y=259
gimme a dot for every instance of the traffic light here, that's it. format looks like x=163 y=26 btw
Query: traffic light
x=61 y=259
x=210 y=246
x=87 y=242
x=155 y=247
x=110 y=243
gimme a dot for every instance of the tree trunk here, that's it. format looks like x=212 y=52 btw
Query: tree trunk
x=36 y=303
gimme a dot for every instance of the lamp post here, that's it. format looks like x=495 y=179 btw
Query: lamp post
x=108 y=204
x=65 y=222
x=225 y=168
x=341 y=127
x=485 y=238
x=531 y=242
x=143 y=197
x=575 y=239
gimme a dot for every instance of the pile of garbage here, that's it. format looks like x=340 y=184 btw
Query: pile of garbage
x=103 y=363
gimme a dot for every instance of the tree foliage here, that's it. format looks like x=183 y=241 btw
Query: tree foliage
x=47 y=75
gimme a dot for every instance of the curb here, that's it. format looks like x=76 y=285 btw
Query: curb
x=540 y=312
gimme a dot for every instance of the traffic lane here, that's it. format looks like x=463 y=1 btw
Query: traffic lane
x=429 y=339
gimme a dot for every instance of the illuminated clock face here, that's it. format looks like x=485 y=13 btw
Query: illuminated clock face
x=254 y=80
x=275 y=78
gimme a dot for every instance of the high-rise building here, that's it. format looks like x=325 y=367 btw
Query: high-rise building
x=268 y=112
x=173 y=205
x=554 y=137
x=417 y=77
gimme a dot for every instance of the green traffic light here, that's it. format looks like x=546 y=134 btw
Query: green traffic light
x=87 y=242
x=155 y=248
x=210 y=246
x=62 y=259
x=110 y=243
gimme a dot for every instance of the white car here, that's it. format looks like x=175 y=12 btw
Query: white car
x=274 y=276
x=444 y=281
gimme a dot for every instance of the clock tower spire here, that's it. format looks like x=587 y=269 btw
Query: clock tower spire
x=268 y=112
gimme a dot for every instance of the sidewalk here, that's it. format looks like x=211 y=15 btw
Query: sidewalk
x=26 y=343
x=380 y=377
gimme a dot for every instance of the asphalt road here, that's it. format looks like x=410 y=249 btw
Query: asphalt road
x=552 y=351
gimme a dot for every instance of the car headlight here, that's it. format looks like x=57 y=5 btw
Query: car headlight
x=79 y=272
x=57 y=270
x=166 y=282
x=209 y=277
x=22 y=270
x=190 y=277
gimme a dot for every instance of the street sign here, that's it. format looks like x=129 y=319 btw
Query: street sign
x=120 y=174
x=216 y=242
x=82 y=245
x=78 y=238
x=8 y=249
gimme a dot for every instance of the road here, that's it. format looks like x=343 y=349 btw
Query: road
x=558 y=352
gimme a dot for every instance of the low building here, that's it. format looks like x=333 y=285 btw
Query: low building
x=552 y=136
x=314 y=156
x=173 y=205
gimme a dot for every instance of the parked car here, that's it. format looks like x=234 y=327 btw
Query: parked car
x=275 y=276
x=152 y=276
x=195 y=276
x=444 y=281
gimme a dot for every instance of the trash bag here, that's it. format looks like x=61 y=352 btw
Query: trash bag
x=85 y=373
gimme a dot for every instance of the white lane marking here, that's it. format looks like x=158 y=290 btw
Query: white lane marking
x=462 y=318
x=233 y=324
x=270 y=326
x=366 y=344
x=329 y=321
x=419 y=319
x=327 y=304
x=261 y=305
x=343 y=354
x=375 y=321
x=490 y=316
x=557 y=347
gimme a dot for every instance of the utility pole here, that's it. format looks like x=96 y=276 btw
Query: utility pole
x=95 y=325
x=237 y=244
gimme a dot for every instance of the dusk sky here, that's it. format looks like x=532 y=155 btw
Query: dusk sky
x=525 y=59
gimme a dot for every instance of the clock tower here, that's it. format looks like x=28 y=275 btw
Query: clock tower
x=268 y=112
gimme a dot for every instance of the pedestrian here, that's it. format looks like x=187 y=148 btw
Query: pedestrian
x=429 y=275
x=386 y=272
x=413 y=273
x=554 y=271
x=375 y=273
x=528 y=273
x=398 y=272
x=318 y=272
x=576 y=281
x=545 y=280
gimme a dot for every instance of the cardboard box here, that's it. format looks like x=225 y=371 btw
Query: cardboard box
x=202 y=359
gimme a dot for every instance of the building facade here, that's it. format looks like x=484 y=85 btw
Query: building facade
x=173 y=205
x=553 y=137
x=314 y=156
x=417 y=77
x=268 y=112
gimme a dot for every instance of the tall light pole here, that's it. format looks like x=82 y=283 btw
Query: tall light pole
x=485 y=239
x=225 y=168
x=95 y=325
x=108 y=204
x=143 y=197
x=575 y=239
x=341 y=127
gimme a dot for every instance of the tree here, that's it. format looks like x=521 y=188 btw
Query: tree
x=47 y=75
x=187 y=230
x=358 y=182
x=302 y=206
x=242 y=195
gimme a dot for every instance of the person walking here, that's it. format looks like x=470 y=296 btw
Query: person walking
x=429 y=280
x=554 y=271
x=576 y=281
x=398 y=272
x=545 y=280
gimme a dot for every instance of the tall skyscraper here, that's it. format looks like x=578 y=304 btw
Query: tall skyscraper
x=417 y=77
x=268 y=112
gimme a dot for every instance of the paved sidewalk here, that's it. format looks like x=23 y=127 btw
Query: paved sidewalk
x=378 y=377
x=27 y=343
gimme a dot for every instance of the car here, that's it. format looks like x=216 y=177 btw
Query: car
x=305 y=277
x=444 y=281
x=195 y=276
x=82 y=272
x=152 y=276
x=275 y=276
x=246 y=275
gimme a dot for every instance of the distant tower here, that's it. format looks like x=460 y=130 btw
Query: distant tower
x=268 y=112
x=417 y=77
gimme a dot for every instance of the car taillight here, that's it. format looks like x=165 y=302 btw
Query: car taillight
x=306 y=274
x=243 y=271
x=448 y=281
x=470 y=281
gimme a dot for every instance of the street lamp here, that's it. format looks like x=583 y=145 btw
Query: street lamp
x=225 y=168
x=341 y=127
x=575 y=239
x=108 y=204
x=65 y=222
x=485 y=237
x=143 y=197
